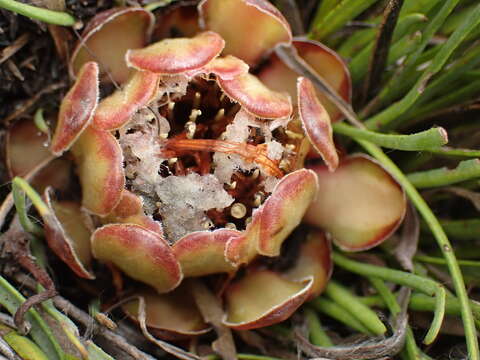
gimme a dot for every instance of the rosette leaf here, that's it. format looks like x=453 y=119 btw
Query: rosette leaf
x=251 y=28
x=140 y=253
x=99 y=165
x=360 y=204
x=169 y=316
x=77 y=109
x=176 y=56
x=262 y=298
x=324 y=61
x=67 y=235
x=100 y=41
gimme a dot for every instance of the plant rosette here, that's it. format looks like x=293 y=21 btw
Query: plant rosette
x=195 y=166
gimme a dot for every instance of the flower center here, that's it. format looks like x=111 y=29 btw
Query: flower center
x=199 y=161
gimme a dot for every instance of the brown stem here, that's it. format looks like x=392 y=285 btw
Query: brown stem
x=382 y=47
x=16 y=243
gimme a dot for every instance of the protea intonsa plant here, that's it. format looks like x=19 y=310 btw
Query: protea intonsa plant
x=195 y=165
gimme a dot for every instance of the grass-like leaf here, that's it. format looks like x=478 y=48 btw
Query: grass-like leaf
x=41 y=333
x=428 y=139
x=395 y=110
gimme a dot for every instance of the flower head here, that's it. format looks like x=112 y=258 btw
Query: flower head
x=195 y=165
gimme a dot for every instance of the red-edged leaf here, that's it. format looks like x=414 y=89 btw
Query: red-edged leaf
x=68 y=236
x=26 y=147
x=203 y=252
x=176 y=56
x=324 y=61
x=140 y=253
x=316 y=122
x=256 y=98
x=77 y=109
x=360 y=203
x=169 y=316
x=314 y=260
x=263 y=298
x=108 y=36
x=100 y=169
x=251 y=28
x=279 y=215
x=116 y=110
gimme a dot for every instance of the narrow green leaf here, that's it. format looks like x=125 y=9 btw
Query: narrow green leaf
x=455 y=19
x=338 y=313
x=359 y=64
x=37 y=201
x=345 y=11
x=438 y=315
x=11 y=299
x=356 y=42
x=427 y=139
x=361 y=38
x=20 y=206
x=324 y=8
x=466 y=170
x=442 y=241
x=448 y=151
x=96 y=353
x=460 y=95
x=343 y=297
x=419 y=283
x=442 y=85
x=465 y=229
x=40 y=122
x=411 y=348
x=393 y=89
x=441 y=261
x=24 y=347
x=317 y=334
x=413 y=6
x=34 y=12
x=422 y=302
x=395 y=110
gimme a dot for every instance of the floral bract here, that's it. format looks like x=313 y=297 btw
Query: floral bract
x=194 y=166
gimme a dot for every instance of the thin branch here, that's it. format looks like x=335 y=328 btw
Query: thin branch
x=82 y=317
x=371 y=350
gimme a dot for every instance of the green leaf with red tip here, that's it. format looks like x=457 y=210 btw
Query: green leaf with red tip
x=67 y=235
x=262 y=298
x=77 y=109
x=130 y=211
x=251 y=28
x=203 y=252
x=140 y=253
x=314 y=260
x=116 y=110
x=99 y=162
x=177 y=56
x=108 y=36
x=256 y=98
x=25 y=147
x=323 y=60
x=360 y=204
x=273 y=222
x=169 y=316
x=316 y=122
